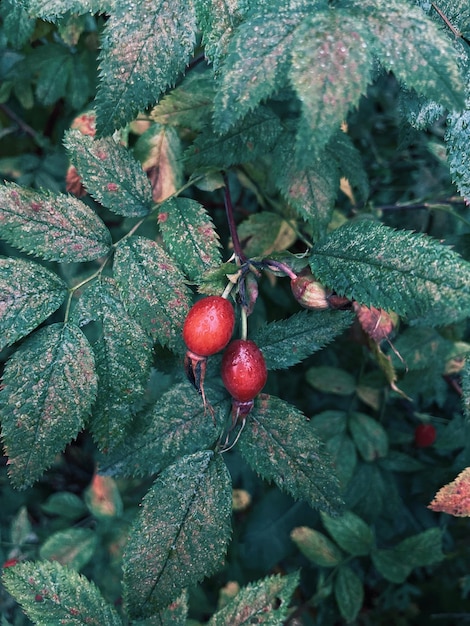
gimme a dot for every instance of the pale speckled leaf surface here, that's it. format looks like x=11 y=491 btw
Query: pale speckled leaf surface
x=177 y=425
x=110 y=174
x=67 y=596
x=280 y=445
x=262 y=602
x=145 y=48
x=49 y=387
x=55 y=227
x=181 y=533
x=411 y=274
x=256 y=64
x=285 y=343
x=415 y=49
x=29 y=293
x=153 y=289
x=189 y=236
x=331 y=68
x=53 y=9
x=123 y=358
x=458 y=151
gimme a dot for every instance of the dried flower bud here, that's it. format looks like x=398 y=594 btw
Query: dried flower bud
x=309 y=292
x=454 y=498
x=376 y=323
x=85 y=123
x=73 y=182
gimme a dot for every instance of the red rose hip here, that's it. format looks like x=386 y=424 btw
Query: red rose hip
x=425 y=435
x=209 y=326
x=243 y=370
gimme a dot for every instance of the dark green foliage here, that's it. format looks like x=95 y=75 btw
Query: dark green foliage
x=238 y=144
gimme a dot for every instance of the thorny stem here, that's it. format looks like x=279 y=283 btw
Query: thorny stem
x=231 y=223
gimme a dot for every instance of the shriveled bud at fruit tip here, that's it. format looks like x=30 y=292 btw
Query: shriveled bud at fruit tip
x=309 y=292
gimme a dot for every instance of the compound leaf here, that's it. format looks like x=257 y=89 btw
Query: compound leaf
x=123 y=358
x=413 y=47
x=49 y=387
x=189 y=236
x=287 y=342
x=331 y=68
x=177 y=425
x=29 y=293
x=144 y=50
x=110 y=173
x=255 y=65
x=51 y=593
x=350 y=532
x=413 y=275
x=280 y=445
x=153 y=289
x=349 y=593
x=181 y=532
x=55 y=227
x=263 y=602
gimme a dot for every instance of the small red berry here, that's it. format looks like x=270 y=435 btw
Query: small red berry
x=10 y=563
x=425 y=435
x=209 y=326
x=243 y=371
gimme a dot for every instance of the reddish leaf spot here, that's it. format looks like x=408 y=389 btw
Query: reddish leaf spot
x=74 y=611
x=38 y=598
x=162 y=217
x=112 y=187
x=36 y=206
x=102 y=156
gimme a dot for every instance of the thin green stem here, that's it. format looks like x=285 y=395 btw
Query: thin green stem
x=79 y=285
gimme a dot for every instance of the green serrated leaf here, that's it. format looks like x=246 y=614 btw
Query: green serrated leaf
x=330 y=423
x=248 y=140
x=395 y=564
x=263 y=602
x=399 y=271
x=55 y=227
x=52 y=9
x=160 y=152
x=344 y=457
x=350 y=532
x=265 y=233
x=328 y=379
x=170 y=433
x=287 y=342
x=369 y=436
x=64 y=504
x=420 y=348
x=181 y=532
x=53 y=594
x=280 y=445
x=457 y=142
x=349 y=593
x=123 y=358
x=416 y=50
x=466 y=391
x=29 y=293
x=73 y=547
x=153 y=289
x=331 y=68
x=17 y=24
x=316 y=547
x=190 y=236
x=49 y=386
x=189 y=105
x=110 y=174
x=310 y=188
x=392 y=565
x=144 y=50
x=256 y=64
x=176 y=614
x=217 y=21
